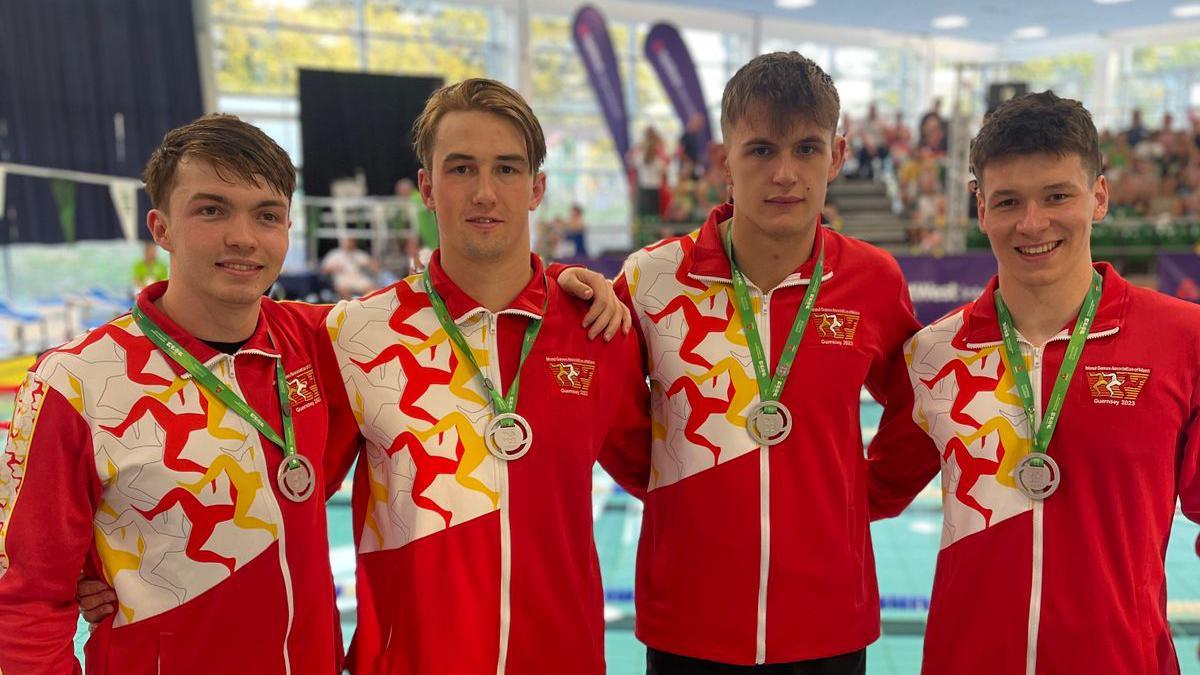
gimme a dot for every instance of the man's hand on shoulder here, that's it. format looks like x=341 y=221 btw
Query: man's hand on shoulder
x=607 y=314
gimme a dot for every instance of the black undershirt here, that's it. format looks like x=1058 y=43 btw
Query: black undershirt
x=226 y=347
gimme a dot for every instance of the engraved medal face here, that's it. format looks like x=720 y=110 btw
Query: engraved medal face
x=508 y=436
x=296 y=482
x=1037 y=475
x=769 y=422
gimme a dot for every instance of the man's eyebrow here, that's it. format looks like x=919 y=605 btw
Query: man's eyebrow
x=200 y=196
x=1059 y=186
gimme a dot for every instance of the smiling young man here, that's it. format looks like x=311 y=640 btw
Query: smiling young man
x=1064 y=404
x=170 y=452
x=484 y=406
x=761 y=329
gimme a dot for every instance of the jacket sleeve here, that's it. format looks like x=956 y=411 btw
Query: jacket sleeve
x=626 y=451
x=345 y=437
x=901 y=458
x=1189 y=463
x=49 y=493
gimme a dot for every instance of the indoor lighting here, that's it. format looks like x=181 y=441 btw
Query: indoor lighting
x=1030 y=33
x=950 y=22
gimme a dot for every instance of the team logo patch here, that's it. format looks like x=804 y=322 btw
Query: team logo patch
x=1109 y=385
x=573 y=376
x=835 y=326
x=302 y=389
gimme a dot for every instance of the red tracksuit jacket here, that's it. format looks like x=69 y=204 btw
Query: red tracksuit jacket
x=748 y=554
x=1074 y=583
x=117 y=461
x=468 y=564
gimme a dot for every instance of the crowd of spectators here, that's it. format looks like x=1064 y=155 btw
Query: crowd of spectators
x=1153 y=174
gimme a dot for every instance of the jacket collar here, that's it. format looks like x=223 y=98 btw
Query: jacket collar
x=983 y=326
x=711 y=264
x=529 y=301
x=260 y=341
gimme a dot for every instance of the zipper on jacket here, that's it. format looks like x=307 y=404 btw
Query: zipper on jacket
x=764 y=501
x=1035 y=589
x=273 y=502
x=493 y=346
x=1039 y=518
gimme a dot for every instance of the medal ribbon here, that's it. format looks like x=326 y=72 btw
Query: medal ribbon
x=212 y=383
x=769 y=388
x=501 y=404
x=1016 y=362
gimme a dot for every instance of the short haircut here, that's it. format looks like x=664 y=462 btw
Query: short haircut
x=789 y=84
x=233 y=147
x=479 y=95
x=1033 y=124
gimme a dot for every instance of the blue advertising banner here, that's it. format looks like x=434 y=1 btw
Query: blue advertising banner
x=1179 y=275
x=670 y=58
x=939 y=285
x=595 y=48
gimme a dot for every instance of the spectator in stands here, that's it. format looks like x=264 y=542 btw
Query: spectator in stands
x=899 y=140
x=711 y=190
x=932 y=129
x=574 y=230
x=548 y=243
x=1189 y=188
x=149 y=269
x=1175 y=147
x=682 y=207
x=649 y=161
x=932 y=135
x=870 y=144
x=1136 y=131
x=354 y=271
x=693 y=147
x=425 y=221
x=831 y=216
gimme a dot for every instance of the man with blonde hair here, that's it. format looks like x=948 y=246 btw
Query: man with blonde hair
x=484 y=406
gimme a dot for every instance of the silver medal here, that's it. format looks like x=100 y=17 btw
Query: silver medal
x=1037 y=482
x=296 y=483
x=508 y=441
x=768 y=427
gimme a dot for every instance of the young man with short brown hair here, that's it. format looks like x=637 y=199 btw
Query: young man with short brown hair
x=1064 y=404
x=761 y=329
x=173 y=452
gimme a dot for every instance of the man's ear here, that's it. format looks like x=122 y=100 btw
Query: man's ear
x=160 y=232
x=425 y=185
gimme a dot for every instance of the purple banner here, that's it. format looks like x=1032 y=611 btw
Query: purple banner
x=670 y=58
x=595 y=48
x=1179 y=275
x=939 y=285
